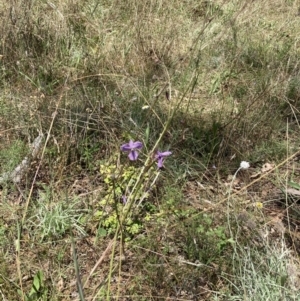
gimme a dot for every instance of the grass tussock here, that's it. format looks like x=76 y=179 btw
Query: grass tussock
x=123 y=126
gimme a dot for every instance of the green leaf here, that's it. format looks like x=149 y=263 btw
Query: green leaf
x=102 y=232
x=294 y=185
x=231 y=241
x=37 y=283
x=147 y=133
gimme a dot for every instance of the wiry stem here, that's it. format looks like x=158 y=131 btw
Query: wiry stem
x=126 y=210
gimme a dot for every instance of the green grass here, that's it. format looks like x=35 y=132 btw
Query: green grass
x=53 y=221
x=262 y=277
x=214 y=82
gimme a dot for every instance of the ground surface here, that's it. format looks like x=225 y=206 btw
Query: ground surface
x=215 y=83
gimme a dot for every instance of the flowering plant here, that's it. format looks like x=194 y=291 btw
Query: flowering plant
x=160 y=156
x=244 y=165
x=127 y=185
x=132 y=147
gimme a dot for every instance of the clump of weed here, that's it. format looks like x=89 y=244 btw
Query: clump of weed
x=54 y=219
x=261 y=277
x=121 y=180
x=204 y=241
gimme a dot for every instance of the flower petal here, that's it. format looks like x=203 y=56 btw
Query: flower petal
x=125 y=147
x=133 y=155
x=244 y=165
x=160 y=162
x=131 y=146
x=136 y=144
x=162 y=154
x=124 y=199
x=165 y=154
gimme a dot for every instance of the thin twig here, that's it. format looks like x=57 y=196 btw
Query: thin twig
x=40 y=163
x=98 y=262
x=77 y=272
x=255 y=181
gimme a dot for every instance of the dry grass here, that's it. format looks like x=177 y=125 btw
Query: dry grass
x=80 y=72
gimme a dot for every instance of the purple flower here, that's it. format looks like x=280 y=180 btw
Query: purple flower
x=132 y=148
x=160 y=158
x=124 y=199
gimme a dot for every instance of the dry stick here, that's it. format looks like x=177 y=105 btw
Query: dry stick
x=18 y=263
x=98 y=262
x=40 y=163
x=77 y=273
x=30 y=194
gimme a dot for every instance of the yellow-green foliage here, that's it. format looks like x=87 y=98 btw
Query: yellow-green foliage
x=120 y=180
